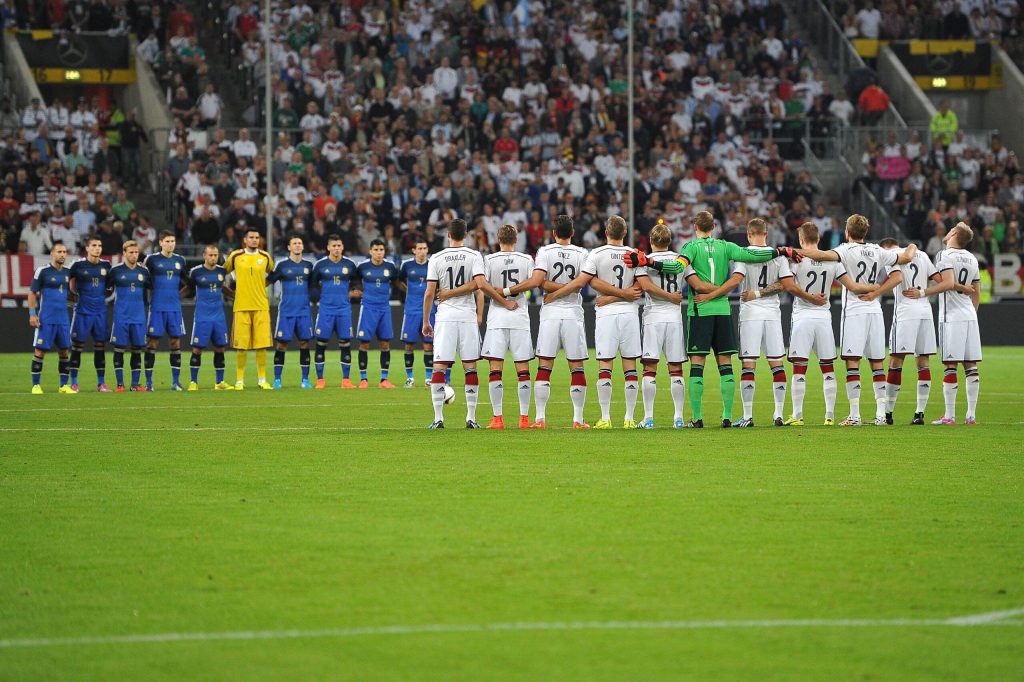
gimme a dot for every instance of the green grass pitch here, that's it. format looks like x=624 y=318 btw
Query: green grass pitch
x=327 y=534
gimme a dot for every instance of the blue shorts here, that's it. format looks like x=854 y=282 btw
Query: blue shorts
x=166 y=324
x=50 y=335
x=328 y=324
x=375 y=321
x=213 y=331
x=126 y=334
x=85 y=325
x=412 y=325
x=297 y=326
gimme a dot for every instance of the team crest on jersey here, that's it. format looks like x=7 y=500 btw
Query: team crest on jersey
x=259 y=261
x=387 y=273
x=305 y=271
x=177 y=266
x=220 y=278
x=195 y=339
x=344 y=271
x=103 y=271
x=140 y=276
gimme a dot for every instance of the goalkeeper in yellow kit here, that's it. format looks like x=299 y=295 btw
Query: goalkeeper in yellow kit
x=250 y=329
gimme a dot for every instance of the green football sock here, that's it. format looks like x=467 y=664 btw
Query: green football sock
x=727 y=381
x=696 y=390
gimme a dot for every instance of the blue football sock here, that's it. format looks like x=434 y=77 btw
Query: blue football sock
x=195 y=374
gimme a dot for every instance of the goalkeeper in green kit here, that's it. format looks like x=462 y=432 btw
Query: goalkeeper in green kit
x=705 y=260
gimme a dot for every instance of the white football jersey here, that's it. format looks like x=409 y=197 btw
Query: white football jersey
x=757 y=276
x=658 y=309
x=506 y=269
x=916 y=275
x=562 y=264
x=954 y=306
x=865 y=263
x=815 y=277
x=451 y=268
x=605 y=262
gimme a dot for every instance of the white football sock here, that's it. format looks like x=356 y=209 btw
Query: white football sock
x=678 y=387
x=830 y=387
x=472 y=396
x=497 y=392
x=650 y=389
x=604 y=398
x=541 y=393
x=437 y=398
x=853 y=395
x=578 y=395
x=799 y=391
x=972 y=388
x=949 y=395
x=524 y=397
x=779 y=393
x=630 y=389
x=747 y=396
x=924 y=389
x=881 y=402
x=892 y=392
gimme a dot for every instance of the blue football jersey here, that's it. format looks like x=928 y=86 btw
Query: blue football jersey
x=129 y=285
x=50 y=285
x=90 y=280
x=169 y=275
x=209 y=286
x=294 y=278
x=334 y=280
x=415 y=277
x=377 y=281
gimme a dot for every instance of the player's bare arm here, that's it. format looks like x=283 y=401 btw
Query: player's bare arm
x=819 y=255
x=428 y=304
x=790 y=287
x=479 y=294
x=717 y=292
x=460 y=290
x=631 y=294
x=947 y=283
x=548 y=286
x=773 y=289
x=907 y=255
x=536 y=279
x=918 y=292
x=976 y=295
x=497 y=296
x=648 y=285
x=890 y=283
x=582 y=280
x=33 y=304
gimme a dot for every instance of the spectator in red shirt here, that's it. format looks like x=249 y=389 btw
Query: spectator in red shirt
x=181 y=18
x=505 y=145
x=872 y=104
x=536 y=231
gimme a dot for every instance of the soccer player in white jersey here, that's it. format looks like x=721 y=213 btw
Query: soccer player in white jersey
x=617 y=327
x=862 y=329
x=811 y=324
x=508 y=324
x=561 y=321
x=663 y=331
x=760 y=324
x=912 y=330
x=454 y=275
x=959 y=339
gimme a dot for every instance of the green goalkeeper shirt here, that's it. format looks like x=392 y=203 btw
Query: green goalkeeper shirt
x=710 y=258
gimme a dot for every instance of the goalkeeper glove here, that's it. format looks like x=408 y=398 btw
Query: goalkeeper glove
x=635 y=259
x=790 y=253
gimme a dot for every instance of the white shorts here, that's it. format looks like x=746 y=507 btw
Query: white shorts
x=862 y=336
x=912 y=337
x=618 y=335
x=757 y=334
x=565 y=334
x=815 y=334
x=451 y=337
x=664 y=337
x=498 y=342
x=961 y=341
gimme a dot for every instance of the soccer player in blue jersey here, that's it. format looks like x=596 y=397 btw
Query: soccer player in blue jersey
x=208 y=283
x=376 y=276
x=412 y=279
x=169 y=271
x=293 y=314
x=130 y=281
x=48 y=313
x=333 y=276
x=89 y=279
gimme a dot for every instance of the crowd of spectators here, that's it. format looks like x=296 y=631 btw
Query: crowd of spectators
x=930 y=186
x=392 y=120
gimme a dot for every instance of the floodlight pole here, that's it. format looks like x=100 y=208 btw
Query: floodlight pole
x=629 y=121
x=268 y=114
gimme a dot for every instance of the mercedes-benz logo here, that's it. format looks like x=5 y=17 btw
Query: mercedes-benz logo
x=71 y=52
x=939 y=64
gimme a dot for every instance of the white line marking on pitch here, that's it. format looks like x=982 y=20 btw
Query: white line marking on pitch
x=996 y=618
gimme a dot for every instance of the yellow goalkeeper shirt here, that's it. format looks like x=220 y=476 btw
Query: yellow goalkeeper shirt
x=251 y=270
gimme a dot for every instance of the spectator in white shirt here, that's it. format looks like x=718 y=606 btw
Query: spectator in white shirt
x=446 y=80
x=869 y=20
x=35 y=237
x=243 y=146
x=210 y=106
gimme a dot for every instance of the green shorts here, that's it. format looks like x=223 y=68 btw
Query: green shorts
x=712 y=331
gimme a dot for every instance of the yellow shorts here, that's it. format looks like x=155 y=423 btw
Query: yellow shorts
x=251 y=329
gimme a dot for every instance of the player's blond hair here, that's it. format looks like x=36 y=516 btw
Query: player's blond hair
x=129 y=244
x=507 y=234
x=809 y=232
x=615 y=228
x=704 y=222
x=857 y=226
x=757 y=226
x=661 y=236
x=964 y=234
